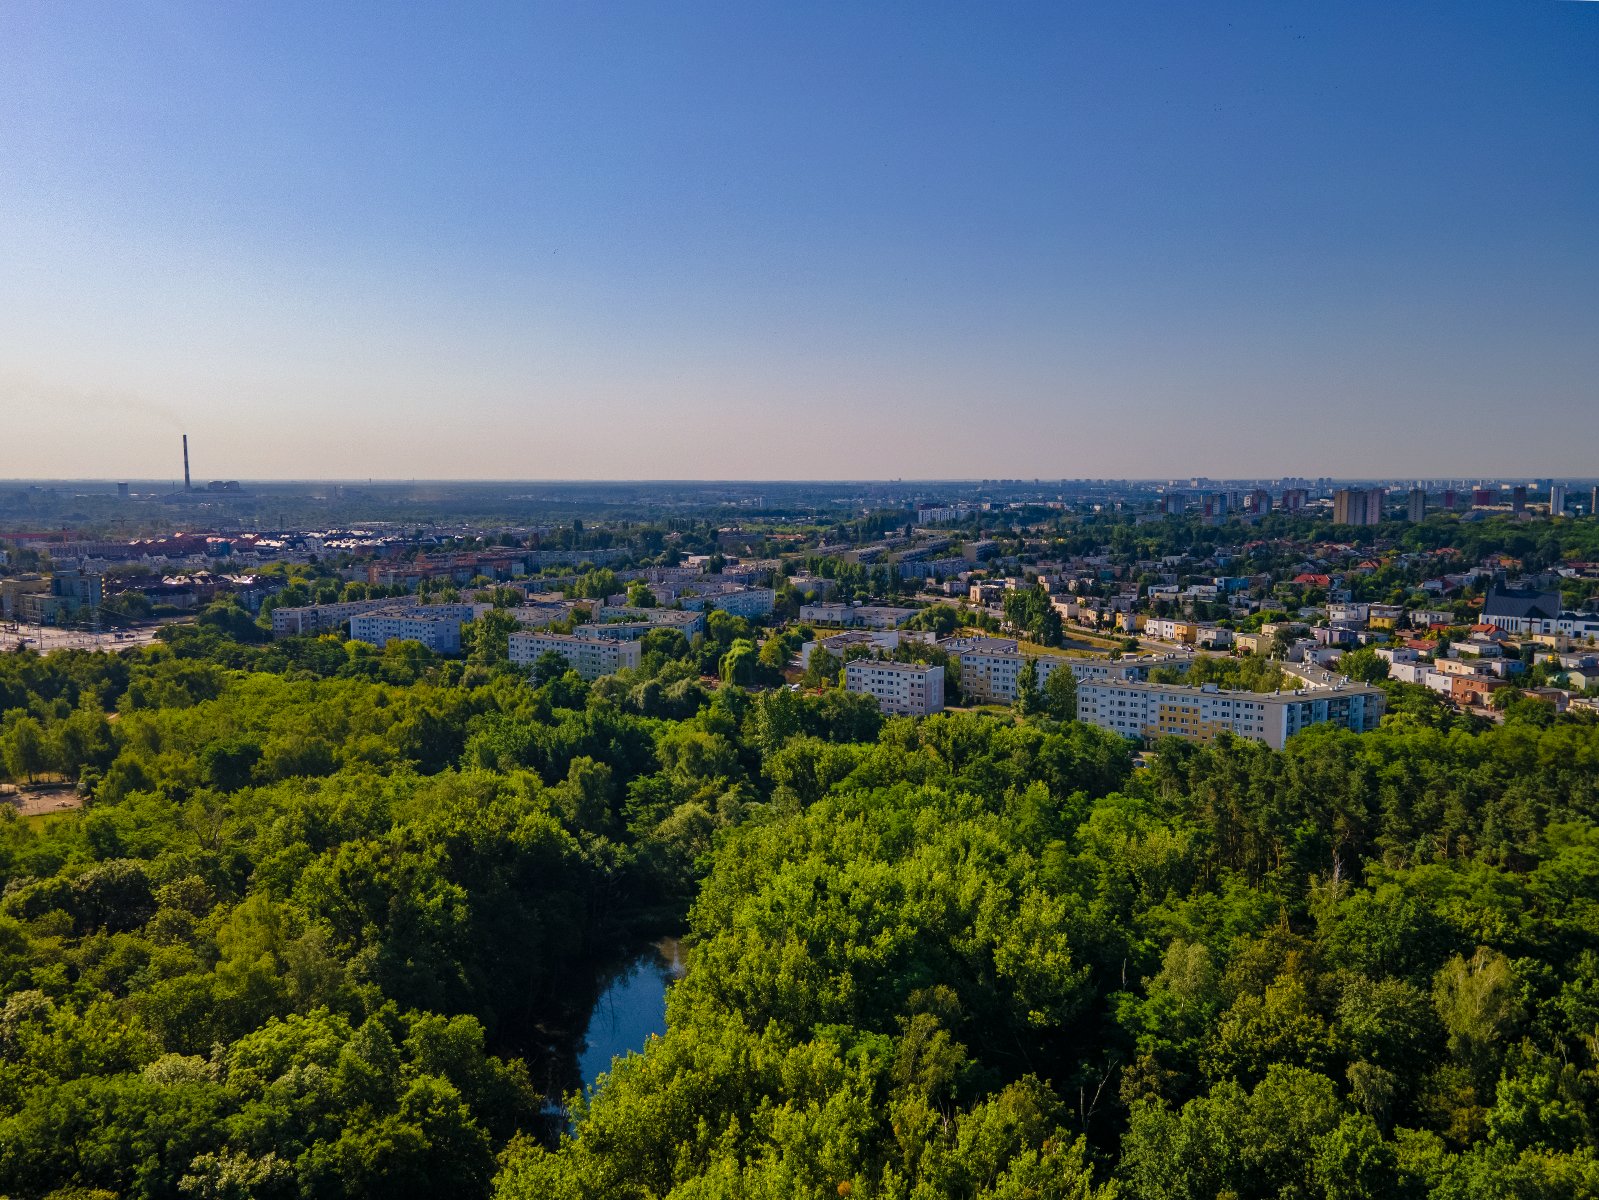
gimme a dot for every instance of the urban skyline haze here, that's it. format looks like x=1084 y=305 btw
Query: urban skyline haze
x=800 y=242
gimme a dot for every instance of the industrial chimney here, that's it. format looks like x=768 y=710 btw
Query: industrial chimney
x=186 y=463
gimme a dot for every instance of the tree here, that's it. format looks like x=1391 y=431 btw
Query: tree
x=23 y=749
x=1363 y=666
x=1029 y=699
x=487 y=640
x=549 y=666
x=739 y=665
x=821 y=669
x=1060 y=693
x=639 y=594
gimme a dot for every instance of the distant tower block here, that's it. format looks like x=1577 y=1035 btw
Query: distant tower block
x=186 y=462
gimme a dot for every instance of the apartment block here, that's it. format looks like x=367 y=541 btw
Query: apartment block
x=738 y=602
x=865 y=616
x=1155 y=710
x=1358 y=506
x=877 y=641
x=436 y=626
x=318 y=618
x=589 y=656
x=903 y=689
x=989 y=673
x=633 y=623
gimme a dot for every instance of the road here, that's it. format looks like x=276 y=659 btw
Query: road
x=45 y=638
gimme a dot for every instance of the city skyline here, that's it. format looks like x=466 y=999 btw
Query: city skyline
x=918 y=242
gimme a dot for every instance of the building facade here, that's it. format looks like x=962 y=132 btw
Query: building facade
x=436 y=626
x=317 y=618
x=589 y=656
x=903 y=689
x=1154 y=710
x=1358 y=506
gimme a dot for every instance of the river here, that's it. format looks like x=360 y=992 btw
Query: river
x=630 y=1007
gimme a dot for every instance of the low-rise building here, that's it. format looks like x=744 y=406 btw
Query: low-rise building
x=1170 y=629
x=904 y=689
x=589 y=656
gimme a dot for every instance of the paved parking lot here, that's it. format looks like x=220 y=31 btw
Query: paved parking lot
x=45 y=638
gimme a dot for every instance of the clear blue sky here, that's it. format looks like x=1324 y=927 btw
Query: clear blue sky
x=799 y=240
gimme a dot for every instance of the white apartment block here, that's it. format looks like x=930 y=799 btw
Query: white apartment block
x=315 y=618
x=990 y=675
x=878 y=641
x=590 y=657
x=620 y=621
x=1152 y=710
x=903 y=689
x=436 y=626
x=539 y=616
x=865 y=616
x=737 y=602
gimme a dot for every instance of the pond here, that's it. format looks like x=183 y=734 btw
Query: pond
x=631 y=1006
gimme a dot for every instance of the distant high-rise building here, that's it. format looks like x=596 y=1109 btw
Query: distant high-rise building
x=1358 y=506
x=1518 y=498
x=1294 y=499
x=1417 y=510
x=1593 y=503
x=1174 y=502
x=1482 y=497
x=1449 y=499
x=1258 y=501
x=1557 y=499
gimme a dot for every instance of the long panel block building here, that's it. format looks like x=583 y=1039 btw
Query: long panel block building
x=590 y=657
x=1153 y=710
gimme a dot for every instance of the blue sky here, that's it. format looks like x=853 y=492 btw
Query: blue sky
x=806 y=240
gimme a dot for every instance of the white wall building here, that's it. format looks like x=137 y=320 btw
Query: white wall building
x=634 y=623
x=989 y=675
x=904 y=689
x=436 y=626
x=738 y=602
x=316 y=618
x=590 y=657
x=866 y=616
x=1154 y=710
x=878 y=641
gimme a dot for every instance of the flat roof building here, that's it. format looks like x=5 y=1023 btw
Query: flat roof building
x=436 y=626
x=1154 y=710
x=620 y=621
x=989 y=675
x=316 y=618
x=903 y=689
x=590 y=657
x=867 y=616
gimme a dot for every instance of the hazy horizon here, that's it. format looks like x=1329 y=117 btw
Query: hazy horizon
x=736 y=243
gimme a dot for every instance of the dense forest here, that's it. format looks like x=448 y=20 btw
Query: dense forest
x=326 y=907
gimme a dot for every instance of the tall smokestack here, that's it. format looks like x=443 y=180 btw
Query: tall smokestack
x=186 y=462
